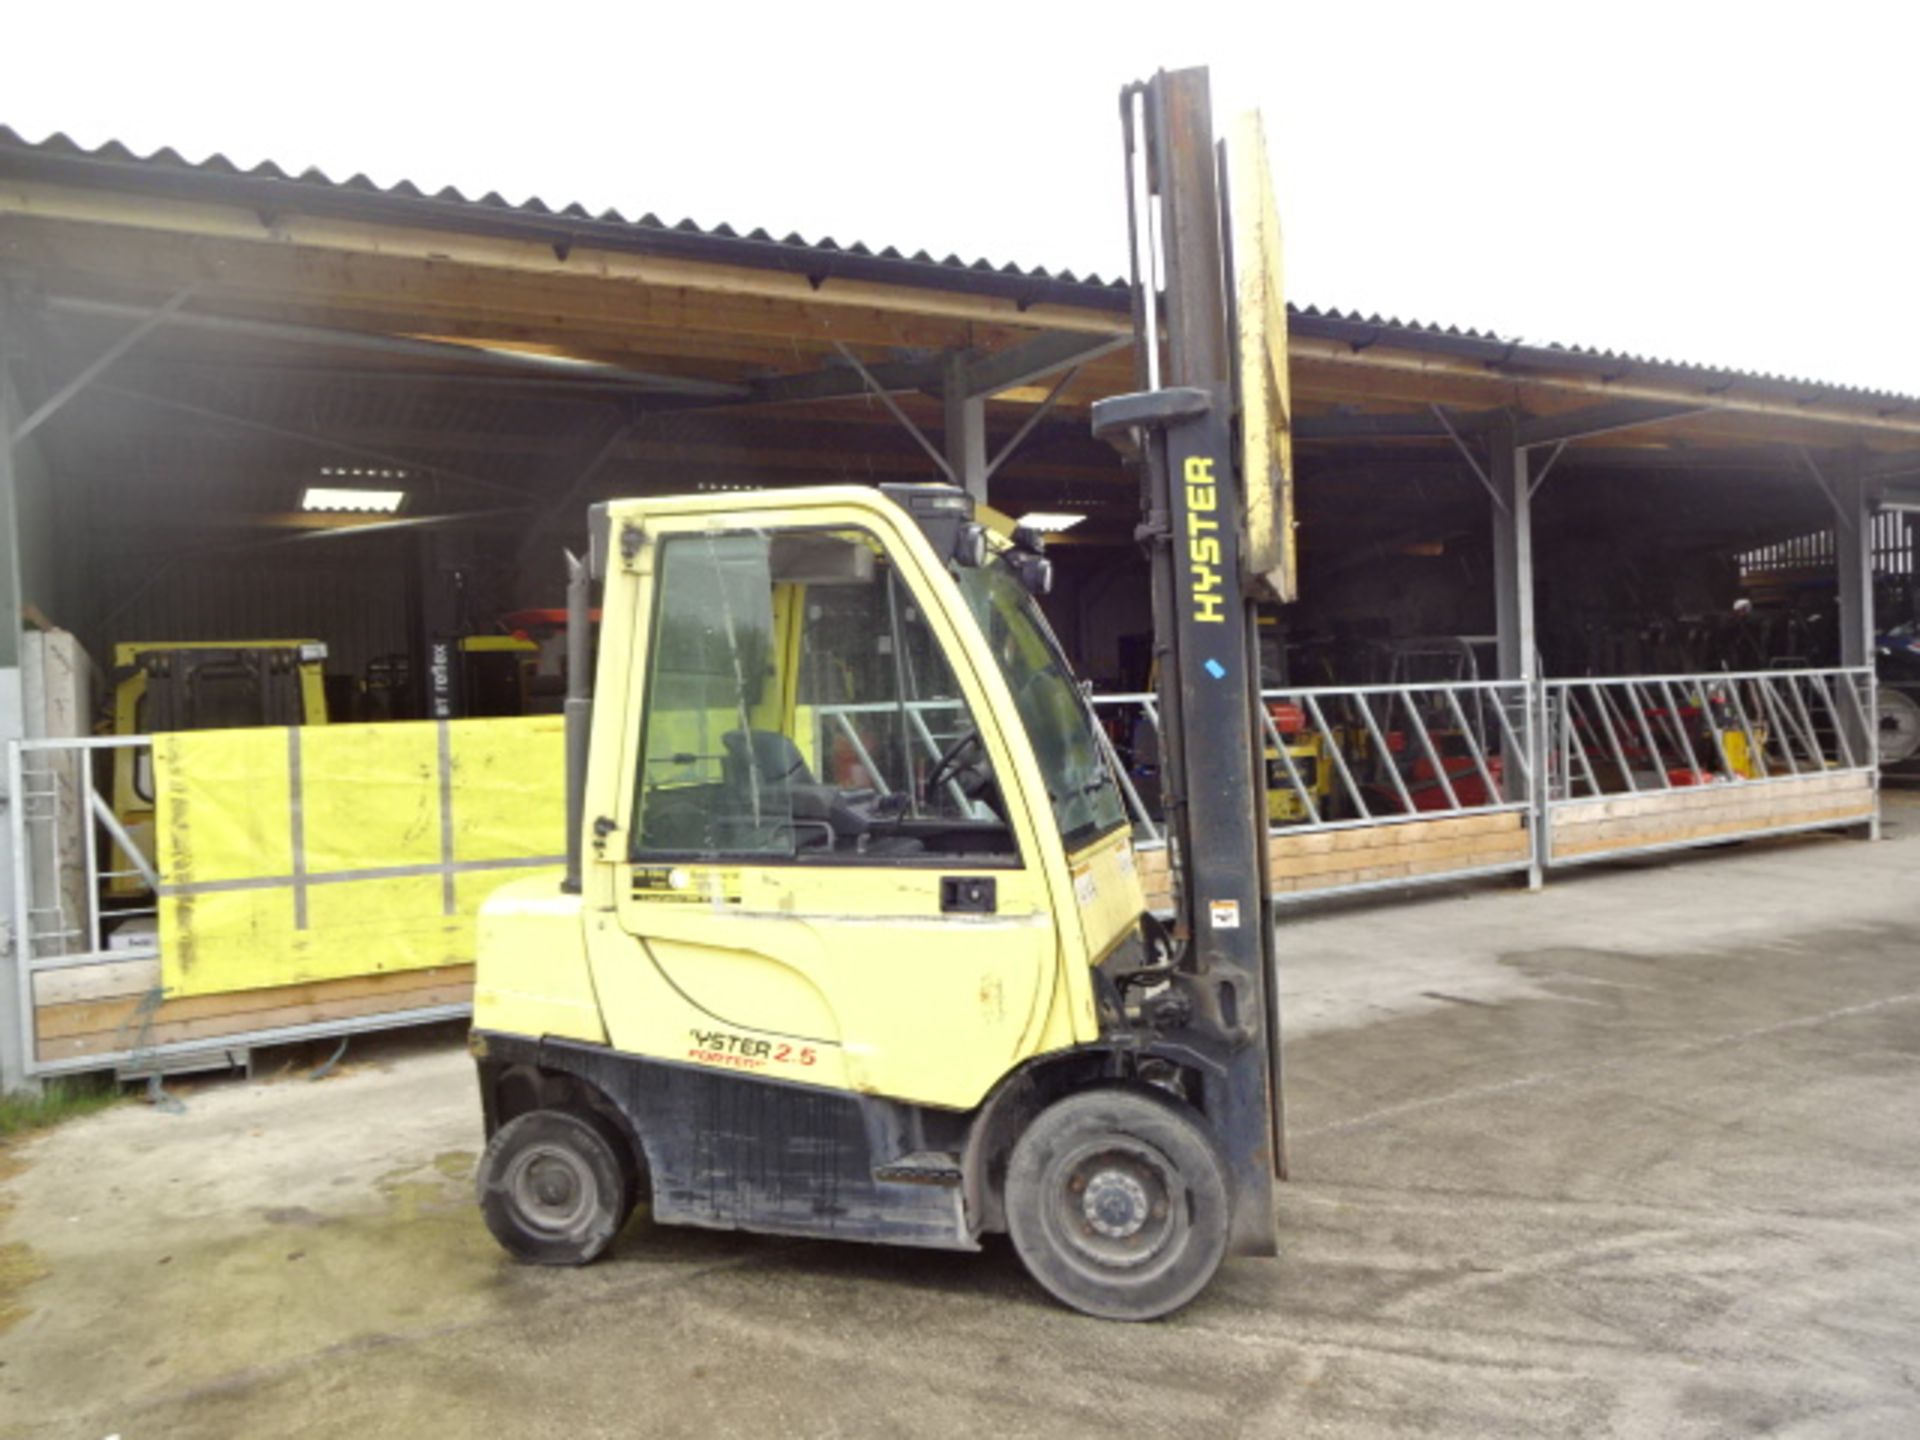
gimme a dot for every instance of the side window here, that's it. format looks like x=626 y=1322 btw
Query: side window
x=798 y=706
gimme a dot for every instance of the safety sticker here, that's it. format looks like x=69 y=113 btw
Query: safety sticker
x=1084 y=888
x=1225 y=914
x=675 y=884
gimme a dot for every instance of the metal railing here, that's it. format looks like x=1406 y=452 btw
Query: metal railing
x=70 y=847
x=932 y=744
x=83 y=889
x=1631 y=735
x=85 y=894
x=1337 y=759
x=1358 y=757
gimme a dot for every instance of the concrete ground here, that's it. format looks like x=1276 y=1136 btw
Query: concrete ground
x=1636 y=1156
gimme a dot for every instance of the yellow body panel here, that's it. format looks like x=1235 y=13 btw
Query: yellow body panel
x=827 y=970
x=536 y=980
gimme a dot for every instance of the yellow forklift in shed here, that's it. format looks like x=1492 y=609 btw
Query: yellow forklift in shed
x=851 y=941
x=168 y=685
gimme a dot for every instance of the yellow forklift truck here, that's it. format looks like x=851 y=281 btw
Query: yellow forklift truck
x=169 y=685
x=851 y=942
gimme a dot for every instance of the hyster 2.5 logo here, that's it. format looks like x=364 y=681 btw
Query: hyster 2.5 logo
x=742 y=1052
x=1203 y=541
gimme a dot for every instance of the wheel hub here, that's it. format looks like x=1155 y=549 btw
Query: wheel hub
x=1115 y=1204
x=552 y=1185
x=552 y=1190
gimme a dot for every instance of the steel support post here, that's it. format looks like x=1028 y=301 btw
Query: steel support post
x=1513 y=614
x=16 y=1015
x=1853 y=558
x=966 y=428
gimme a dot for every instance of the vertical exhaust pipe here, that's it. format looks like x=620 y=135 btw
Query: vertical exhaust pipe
x=579 y=710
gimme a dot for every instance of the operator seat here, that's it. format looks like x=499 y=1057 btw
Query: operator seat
x=818 y=810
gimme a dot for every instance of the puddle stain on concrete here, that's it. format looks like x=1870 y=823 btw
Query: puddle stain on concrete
x=19 y=1268
x=420 y=1252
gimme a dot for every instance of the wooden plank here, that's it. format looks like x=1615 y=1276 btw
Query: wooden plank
x=214 y=1028
x=1723 y=816
x=1325 y=858
x=1466 y=852
x=425 y=272
x=1714 y=804
x=1404 y=832
x=95 y=982
x=95 y=1017
x=1691 y=799
x=1396 y=870
x=1588 y=843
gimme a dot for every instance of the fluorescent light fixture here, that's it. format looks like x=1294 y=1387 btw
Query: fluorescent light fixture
x=1049 y=522
x=341 y=498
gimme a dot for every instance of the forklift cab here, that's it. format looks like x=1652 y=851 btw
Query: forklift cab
x=858 y=910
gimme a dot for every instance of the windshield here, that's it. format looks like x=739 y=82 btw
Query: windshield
x=1086 y=803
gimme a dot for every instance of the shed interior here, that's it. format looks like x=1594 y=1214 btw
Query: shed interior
x=192 y=346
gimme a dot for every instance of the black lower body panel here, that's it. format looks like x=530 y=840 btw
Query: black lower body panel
x=738 y=1152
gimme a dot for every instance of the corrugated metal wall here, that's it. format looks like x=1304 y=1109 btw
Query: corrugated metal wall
x=358 y=605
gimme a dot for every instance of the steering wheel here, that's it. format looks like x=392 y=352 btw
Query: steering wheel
x=948 y=765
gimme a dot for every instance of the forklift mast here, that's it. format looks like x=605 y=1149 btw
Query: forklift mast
x=1180 y=429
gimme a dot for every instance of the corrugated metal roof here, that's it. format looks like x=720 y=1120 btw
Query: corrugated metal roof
x=167 y=171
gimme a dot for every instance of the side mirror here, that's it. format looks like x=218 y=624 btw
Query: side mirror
x=1035 y=571
x=970 y=545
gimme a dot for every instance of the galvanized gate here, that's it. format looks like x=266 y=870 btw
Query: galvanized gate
x=1649 y=763
x=1367 y=787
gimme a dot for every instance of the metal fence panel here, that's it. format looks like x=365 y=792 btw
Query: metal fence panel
x=1664 y=762
x=1366 y=787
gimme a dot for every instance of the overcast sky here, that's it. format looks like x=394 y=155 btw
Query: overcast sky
x=1723 y=183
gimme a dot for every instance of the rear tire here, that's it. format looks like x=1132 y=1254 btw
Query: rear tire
x=555 y=1188
x=1118 y=1204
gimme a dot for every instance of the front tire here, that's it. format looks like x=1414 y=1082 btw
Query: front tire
x=554 y=1188
x=1118 y=1204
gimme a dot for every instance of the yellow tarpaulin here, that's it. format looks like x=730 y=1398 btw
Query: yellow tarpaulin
x=319 y=853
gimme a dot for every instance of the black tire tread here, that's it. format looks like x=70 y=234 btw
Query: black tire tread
x=606 y=1158
x=1168 y=1127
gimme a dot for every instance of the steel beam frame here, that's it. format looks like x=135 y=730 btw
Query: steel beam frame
x=281 y=332
x=1891 y=467
x=16 y=992
x=965 y=433
x=991 y=372
x=1513 y=604
x=49 y=407
x=1601 y=419
x=905 y=420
